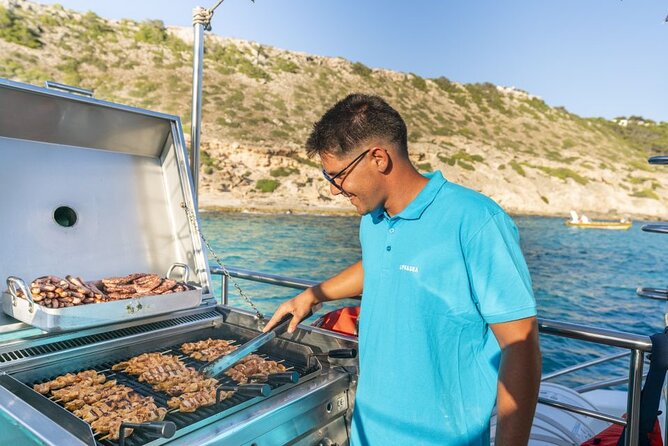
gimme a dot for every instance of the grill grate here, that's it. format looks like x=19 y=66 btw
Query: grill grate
x=185 y=419
x=92 y=339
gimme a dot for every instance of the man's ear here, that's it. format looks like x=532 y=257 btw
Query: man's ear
x=381 y=158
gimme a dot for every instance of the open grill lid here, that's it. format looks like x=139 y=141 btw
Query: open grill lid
x=92 y=188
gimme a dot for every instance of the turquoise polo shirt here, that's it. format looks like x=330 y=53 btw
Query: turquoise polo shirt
x=435 y=276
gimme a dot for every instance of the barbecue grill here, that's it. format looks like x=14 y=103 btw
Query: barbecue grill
x=98 y=189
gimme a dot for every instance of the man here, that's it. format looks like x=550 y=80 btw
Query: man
x=447 y=325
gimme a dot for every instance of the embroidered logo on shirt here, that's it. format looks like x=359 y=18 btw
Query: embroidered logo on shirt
x=409 y=268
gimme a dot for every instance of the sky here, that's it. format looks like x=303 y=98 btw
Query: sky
x=602 y=58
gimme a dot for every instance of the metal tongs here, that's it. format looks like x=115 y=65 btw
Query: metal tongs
x=220 y=365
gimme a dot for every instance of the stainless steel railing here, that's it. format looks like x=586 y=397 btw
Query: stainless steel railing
x=637 y=346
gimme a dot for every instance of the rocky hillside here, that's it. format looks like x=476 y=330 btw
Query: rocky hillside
x=260 y=102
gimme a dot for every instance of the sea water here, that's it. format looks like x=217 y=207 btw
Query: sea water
x=581 y=276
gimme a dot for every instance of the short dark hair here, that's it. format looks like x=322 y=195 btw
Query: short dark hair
x=354 y=120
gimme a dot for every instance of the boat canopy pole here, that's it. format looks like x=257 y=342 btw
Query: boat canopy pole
x=201 y=22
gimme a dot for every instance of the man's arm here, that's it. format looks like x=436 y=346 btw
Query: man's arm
x=348 y=283
x=519 y=380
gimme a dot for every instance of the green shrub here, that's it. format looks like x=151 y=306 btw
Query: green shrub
x=50 y=20
x=443 y=131
x=278 y=133
x=209 y=170
x=360 y=69
x=144 y=87
x=206 y=159
x=94 y=26
x=232 y=59
x=14 y=30
x=486 y=95
x=151 y=31
x=425 y=167
x=517 y=167
x=308 y=162
x=465 y=132
x=285 y=65
x=545 y=199
x=70 y=71
x=567 y=143
x=462 y=158
x=418 y=82
x=502 y=167
x=465 y=165
x=645 y=193
x=446 y=85
x=562 y=173
x=283 y=171
x=266 y=185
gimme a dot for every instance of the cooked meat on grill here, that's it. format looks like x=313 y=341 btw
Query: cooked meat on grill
x=167 y=373
x=161 y=374
x=190 y=402
x=135 y=412
x=65 y=380
x=190 y=347
x=80 y=389
x=115 y=393
x=111 y=406
x=178 y=387
x=143 y=362
x=253 y=365
x=208 y=349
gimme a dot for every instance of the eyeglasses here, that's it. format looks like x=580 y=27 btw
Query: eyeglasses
x=332 y=179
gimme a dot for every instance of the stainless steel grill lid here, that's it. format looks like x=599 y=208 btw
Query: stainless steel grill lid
x=92 y=188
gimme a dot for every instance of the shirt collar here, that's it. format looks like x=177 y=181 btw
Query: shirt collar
x=416 y=208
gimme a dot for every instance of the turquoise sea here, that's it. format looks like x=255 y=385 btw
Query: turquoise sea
x=580 y=276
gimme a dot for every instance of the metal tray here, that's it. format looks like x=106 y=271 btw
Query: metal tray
x=93 y=315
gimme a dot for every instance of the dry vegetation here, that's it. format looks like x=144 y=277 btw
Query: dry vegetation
x=259 y=103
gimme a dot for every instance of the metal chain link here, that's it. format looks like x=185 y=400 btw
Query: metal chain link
x=241 y=292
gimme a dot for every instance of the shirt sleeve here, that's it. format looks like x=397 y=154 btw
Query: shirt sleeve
x=498 y=274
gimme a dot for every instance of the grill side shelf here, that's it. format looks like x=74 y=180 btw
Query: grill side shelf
x=47 y=421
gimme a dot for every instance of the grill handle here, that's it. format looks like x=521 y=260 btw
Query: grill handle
x=278 y=378
x=12 y=284
x=163 y=429
x=186 y=270
x=255 y=389
x=339 y=353
x=342 y=353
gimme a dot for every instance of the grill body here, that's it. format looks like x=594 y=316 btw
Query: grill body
x=315 y=409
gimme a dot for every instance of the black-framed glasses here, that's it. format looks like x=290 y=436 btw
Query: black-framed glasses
x=332 y=179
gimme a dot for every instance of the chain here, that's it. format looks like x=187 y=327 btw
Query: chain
x=227 y=274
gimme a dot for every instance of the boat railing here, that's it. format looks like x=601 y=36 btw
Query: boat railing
x=635 y=345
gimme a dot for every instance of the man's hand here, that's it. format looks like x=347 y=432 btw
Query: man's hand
x=348 y=283
x=299 y=306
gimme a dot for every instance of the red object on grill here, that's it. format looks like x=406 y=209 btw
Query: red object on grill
x=343 y=320
x=611 y=435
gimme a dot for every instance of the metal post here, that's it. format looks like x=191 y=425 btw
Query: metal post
x=665 y=424
x=633 y=398
x=196 y=114
x=224 y=289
